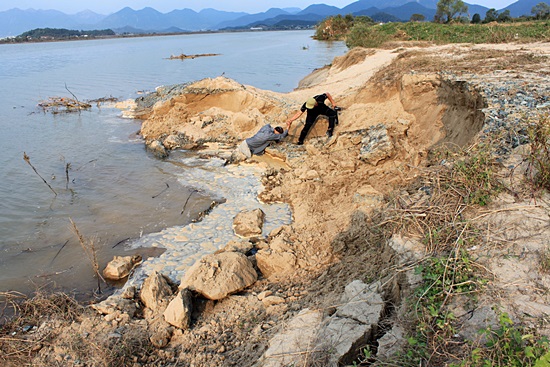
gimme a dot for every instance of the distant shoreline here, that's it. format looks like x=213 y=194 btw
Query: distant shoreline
x=14 y=41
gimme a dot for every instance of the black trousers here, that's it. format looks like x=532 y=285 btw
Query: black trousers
x=312 y=117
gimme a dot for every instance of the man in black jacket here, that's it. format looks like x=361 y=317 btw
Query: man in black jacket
x=315 y=107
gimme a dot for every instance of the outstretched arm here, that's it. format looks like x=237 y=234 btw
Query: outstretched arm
x=330 y=99
x=293 y=118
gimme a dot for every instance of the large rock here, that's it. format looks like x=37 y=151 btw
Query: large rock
x=157 y=149
x=116 y=304
x=290 y=347
x=249 y=223
x=216 y=276
x=155 y=291
x=120 y=267
x=178 y=312
x=332 y=341
x=376 y=145
x=277 y=260
x=353 y=325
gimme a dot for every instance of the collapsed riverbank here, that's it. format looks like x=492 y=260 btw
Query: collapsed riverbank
x=381 y=167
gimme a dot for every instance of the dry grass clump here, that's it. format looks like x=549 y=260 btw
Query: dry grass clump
x=123 y=348
x=353 y=57
x=434 y=207
x=22 y=317
x=539 y=157
x=48 y=327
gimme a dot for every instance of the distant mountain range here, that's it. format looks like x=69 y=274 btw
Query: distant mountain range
x=148 y=20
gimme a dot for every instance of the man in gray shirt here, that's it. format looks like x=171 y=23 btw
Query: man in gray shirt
x=261 y=140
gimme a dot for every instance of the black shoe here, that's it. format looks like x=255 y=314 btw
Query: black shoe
x=300 y=143
x=329 y=134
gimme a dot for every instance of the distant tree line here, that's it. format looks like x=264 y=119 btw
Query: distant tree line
x=61 y=34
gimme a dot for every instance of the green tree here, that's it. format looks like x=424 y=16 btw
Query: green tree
x=417 y=18
x=476 y=19
x=541 y=11
x=334 y=28
x=491 y=16
x=504 y=16
x=447 y=10
x=337 y=27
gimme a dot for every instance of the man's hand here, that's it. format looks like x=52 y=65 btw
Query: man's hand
x=288 y=123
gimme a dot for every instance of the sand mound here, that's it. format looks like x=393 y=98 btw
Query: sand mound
x=214 y=109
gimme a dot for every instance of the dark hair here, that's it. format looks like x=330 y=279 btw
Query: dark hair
x=279 y=130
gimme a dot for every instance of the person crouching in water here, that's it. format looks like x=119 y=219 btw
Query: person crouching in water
x=256 y=144
x=315 y=107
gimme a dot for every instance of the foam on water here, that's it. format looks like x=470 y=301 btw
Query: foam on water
x=239 y=186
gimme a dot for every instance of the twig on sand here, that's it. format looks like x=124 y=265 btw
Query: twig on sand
x=28 y=160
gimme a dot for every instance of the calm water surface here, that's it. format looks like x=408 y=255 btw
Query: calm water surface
x=115 y=190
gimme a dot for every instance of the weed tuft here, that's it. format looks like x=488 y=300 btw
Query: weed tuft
x=539 y=157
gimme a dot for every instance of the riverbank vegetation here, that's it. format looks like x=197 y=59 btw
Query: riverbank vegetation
x=448 y=26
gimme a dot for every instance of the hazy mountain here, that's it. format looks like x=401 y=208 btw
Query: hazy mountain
x=473 y=9
x=303 y=19
x=132 y=30
x=15 y=21
x=405 y=11
x=87 y=17
x=146 y=18
x=292 y=10
x=366 y=4
x=252 y=18
x=377 y=15
x=522 y=7
x=321 y=9
x=213 y=16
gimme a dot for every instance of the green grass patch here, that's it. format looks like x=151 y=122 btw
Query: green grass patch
x=509 y=345
x=476 y=176
x=365 y=35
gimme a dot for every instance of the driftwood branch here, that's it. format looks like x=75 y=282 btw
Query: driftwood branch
x=60 y=104
x=184 y=56
x=68 y=90
x=28 y=160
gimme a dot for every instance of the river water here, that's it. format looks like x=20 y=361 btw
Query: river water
x=116 y=194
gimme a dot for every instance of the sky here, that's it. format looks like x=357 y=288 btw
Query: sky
x=249 y=6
